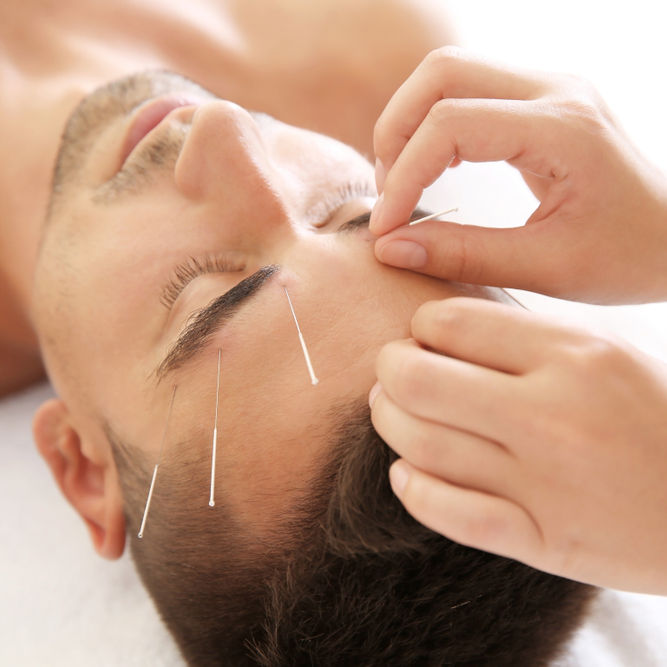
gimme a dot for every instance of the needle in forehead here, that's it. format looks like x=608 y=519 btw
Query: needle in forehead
x=157 y=465
x=311 y=372
x=432 y=216
x=211 y=500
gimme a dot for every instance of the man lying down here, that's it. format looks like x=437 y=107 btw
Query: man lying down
x=177 y=223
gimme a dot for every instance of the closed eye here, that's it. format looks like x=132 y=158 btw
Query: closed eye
x=194 y=267
x=363 y=220
x=355 y=223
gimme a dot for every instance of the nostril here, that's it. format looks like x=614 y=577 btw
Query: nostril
x=148 y=117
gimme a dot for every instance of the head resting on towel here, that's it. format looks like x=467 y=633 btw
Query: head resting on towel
x=175 y=222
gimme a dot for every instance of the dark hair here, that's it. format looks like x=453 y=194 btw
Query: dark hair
x=349 y=578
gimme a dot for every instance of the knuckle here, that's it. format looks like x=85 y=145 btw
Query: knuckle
x=410 y=383
x=449 y=317
x=423 y=451
x=452 y=314
x=579 y=103
x=585 y=114
x=595 y=353
x=386 y=359
x=459 y=261
x=440 y=111
x=442 y=56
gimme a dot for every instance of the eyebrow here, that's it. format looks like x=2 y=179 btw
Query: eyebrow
x=207 y=321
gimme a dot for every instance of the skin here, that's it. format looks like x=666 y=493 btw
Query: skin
x=551 y=449
x=53 y=54
x=230 y=183
x=590 y=180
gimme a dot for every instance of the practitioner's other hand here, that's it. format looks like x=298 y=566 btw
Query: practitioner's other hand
x=600 y=231
x=531 y=440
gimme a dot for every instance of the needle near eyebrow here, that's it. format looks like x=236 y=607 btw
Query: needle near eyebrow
x=140 y=534
x=313 y=378
x=211 y=500
x=433 y=215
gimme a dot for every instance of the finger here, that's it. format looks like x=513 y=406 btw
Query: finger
x=477 y=130
x=487 y=333
x=473 y=518
x=457 y=456
x=530 y=257
x=446 y=73
x=449 y=391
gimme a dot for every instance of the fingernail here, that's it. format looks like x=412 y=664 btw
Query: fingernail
x=403 y=254
x=380 y=174
x=376 y=213
x=377 y=388
x=398 y=477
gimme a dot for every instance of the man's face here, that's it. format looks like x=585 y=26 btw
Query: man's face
x=171 y=199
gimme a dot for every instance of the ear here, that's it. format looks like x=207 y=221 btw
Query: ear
x=86 y=475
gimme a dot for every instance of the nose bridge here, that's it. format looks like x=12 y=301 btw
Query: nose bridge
x=224 y=159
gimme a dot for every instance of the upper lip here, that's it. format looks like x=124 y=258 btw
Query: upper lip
x=148 y=117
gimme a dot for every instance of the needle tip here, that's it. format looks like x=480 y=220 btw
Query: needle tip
x=211 y=503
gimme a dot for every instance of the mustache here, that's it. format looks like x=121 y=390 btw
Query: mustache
x=161 y=152
x=145 y=163
x=104 y=106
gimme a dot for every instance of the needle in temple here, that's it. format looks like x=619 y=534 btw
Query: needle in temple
x=311 y=372
x=140 y=534
x=211 y=500
x=432 y=216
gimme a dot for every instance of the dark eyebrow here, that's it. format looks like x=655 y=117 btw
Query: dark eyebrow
x=204 y=323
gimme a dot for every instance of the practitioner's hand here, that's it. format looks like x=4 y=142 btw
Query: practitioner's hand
x=531 y=440
x=600 y=231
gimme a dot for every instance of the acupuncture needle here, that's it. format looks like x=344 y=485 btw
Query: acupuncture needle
x=311 y=372
x=140 y=534
x=211 y=500
x=432 y=216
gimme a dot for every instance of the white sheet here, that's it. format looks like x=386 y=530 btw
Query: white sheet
x=63 y=606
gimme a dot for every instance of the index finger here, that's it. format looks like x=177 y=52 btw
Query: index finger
x=449 y=391
x=446 y=73
x=489 y=334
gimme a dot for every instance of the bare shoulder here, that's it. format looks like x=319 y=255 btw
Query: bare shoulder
x=334 y=64
x=20 y=369
x=20 y=360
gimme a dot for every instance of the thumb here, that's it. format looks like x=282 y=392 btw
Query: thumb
x=519 y=257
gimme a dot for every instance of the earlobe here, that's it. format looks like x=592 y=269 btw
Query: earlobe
x=90 y=484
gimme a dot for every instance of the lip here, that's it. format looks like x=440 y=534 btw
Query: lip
x=148 y=117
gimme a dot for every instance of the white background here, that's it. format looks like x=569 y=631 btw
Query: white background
x=621 y=48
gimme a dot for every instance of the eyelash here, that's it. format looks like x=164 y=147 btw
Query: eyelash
x=194 y=267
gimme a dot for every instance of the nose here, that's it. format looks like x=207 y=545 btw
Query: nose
x=224 y=160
